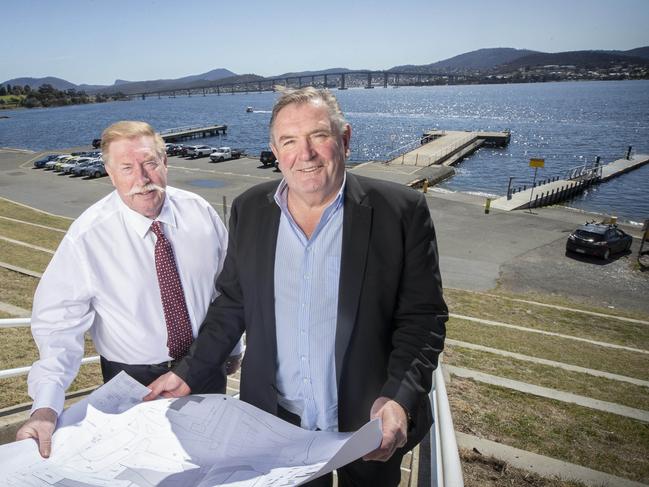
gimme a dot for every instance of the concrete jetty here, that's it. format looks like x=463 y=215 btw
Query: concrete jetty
x=561 y=189
x=432 y=161
x=183 y=133
x=448 y=147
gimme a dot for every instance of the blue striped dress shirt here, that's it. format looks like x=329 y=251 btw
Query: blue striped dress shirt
x=307 y=272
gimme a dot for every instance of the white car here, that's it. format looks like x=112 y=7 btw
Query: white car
x=200 y=151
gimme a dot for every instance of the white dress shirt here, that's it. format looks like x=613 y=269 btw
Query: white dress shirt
x=102 y=278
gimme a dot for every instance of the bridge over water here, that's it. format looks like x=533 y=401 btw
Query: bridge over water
x=334 y=80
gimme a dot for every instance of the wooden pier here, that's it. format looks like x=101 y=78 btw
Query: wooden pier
x=558 y=190
x=184 y=133
x=444 y=147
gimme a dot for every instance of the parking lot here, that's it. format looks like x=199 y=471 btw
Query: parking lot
x=521 y=252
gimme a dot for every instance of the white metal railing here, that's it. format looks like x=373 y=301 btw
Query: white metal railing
x=445 y=468
x=22 y=322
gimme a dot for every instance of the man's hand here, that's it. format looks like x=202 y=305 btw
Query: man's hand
x=40 y=427
x=394 y=427
x=167 y=385
x=233 y=363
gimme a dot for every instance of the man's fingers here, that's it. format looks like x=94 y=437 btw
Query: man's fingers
x=40 y=427
x=168 y=385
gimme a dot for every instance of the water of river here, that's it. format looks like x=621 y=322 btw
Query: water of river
x=567 y=123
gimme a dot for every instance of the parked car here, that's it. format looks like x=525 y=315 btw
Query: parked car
x=225 y=153
x=79 y=169
x=200 y=151
x=49 y=165
x=598 y=239
x=66 y=168
x=40 y=163
x=96 y=170
x=268 y=158
x=172 y=149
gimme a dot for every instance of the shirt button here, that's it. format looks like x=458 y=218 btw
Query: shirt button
x=303 y=357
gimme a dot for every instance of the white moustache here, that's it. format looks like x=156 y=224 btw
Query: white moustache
x=145 y=189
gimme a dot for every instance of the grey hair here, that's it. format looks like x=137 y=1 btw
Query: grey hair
x=129 y=129
x=309 y=94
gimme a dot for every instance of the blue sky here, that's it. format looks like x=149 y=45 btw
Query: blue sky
x=98 y=41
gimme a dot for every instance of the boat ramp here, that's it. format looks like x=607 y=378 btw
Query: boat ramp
x=553 y=191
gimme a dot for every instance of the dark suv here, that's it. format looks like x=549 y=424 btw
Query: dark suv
x=268 y=158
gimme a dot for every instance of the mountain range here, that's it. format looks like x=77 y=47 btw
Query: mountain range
x=482 y=61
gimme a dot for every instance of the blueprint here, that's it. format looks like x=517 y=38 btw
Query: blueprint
x=115 y=439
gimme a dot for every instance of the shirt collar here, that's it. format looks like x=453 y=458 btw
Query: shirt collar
x=140 y=223
x=281 y=196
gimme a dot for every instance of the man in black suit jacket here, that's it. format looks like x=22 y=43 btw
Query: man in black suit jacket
x=390 y=323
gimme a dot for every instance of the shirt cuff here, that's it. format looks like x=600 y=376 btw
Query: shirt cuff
x=49 y=396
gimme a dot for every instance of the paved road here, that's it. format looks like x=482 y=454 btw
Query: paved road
x=521 y=252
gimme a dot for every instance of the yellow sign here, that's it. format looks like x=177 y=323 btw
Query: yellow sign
x=537 y=162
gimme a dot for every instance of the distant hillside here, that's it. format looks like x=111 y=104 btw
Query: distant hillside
x=34 y=83
x=213 y=75
x=579 y=59
x=131 y=87
x=642 y=52
x=480 y=60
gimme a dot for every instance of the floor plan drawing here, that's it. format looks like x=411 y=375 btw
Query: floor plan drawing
x=199 y=440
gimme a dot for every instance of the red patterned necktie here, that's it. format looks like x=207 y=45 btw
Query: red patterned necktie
x=179 y=328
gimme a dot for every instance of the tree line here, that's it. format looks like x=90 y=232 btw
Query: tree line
x=48 y=96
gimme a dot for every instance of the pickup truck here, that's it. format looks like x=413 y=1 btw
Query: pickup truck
x=225 y=153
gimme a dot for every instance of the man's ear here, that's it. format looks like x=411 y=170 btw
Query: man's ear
x=347 y=135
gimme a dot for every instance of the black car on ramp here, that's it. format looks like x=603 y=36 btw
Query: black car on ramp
x=598 y=239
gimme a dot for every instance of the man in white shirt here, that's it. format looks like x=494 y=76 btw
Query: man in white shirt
x=105 y=278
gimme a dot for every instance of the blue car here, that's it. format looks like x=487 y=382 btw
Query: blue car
x=40 y=163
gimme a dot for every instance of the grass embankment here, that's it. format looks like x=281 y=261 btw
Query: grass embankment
x=18 y=347
x=594 y=439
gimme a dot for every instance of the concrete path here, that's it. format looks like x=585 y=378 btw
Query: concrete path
x=15 y=311
x=548 y=333
x=22 y=270
x=546 y=392
x=542 y=465
x=551 y=363
x=32 y=224
x=18 y=242
x=572 y=310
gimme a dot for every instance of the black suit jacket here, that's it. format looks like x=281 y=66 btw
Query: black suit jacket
x=391 y=313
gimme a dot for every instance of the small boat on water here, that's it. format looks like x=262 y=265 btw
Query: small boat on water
x=248 y=109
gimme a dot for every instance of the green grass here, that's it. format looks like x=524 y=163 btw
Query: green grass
x=21 y=256
x=17 y=289
x=594 y=439
x=558 y=349
x=19 y=212
x=547 y=376
x=597 y=328
x=41 y=237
